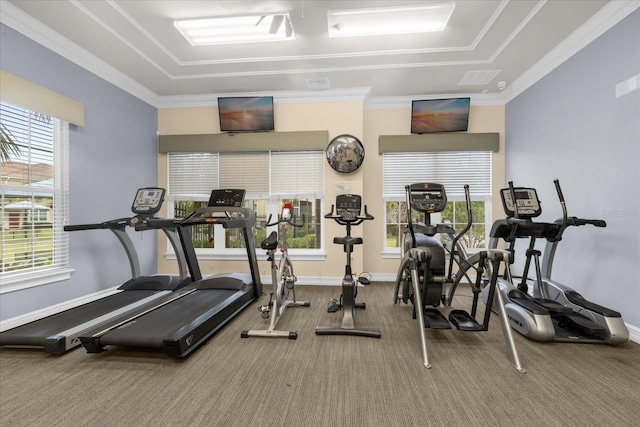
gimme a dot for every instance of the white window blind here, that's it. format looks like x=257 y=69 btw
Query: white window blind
x=34 y=201
x=452 y=169
x=248 y=171
x=192 y=174
x=278 y=173
x=297 y=172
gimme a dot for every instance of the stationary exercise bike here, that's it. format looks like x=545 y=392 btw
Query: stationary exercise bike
x=283 y=283
x=423 y=271
x=548 y=310
x=348 y=209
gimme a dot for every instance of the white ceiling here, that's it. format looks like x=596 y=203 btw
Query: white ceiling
x=134 y=45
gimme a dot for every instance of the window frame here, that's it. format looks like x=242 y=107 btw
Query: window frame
x=59 y=192
x=264 y=193
x=452 y=196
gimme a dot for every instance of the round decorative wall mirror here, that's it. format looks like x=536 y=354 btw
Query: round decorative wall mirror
x=345 y=153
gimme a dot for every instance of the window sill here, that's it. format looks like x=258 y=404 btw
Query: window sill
x=391 y=254
x=18 y=281
x=396 y=254
x=314 y=256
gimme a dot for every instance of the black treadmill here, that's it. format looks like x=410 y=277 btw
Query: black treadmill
x=59 y=332
x=180 y=324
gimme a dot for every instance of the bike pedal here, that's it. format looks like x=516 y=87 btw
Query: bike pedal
x=333 y=306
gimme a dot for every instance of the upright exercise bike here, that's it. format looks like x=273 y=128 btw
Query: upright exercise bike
x=348 y=209
x=283 y=283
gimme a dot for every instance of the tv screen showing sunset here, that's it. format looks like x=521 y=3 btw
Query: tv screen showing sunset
x=239 y=114
x=440 y=115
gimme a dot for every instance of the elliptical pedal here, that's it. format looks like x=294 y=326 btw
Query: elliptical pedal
x=583 y=323
x=463 y=321
x=433 y=319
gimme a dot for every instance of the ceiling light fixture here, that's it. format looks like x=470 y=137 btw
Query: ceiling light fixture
x=238 y=29
x=389 y=20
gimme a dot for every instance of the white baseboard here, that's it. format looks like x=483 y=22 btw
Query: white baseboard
x=22 y=319
x=634 y=333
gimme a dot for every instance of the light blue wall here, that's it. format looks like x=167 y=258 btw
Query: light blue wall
x=110 y=157
x=571 y=126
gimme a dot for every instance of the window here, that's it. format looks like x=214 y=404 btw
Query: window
x=453 y=170
x=33 y=197
x=269 y=178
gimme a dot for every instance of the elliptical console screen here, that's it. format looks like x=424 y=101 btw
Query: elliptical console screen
x=227 y=198
x=526 y=200
x=428 y=202
x=148 y=200
x=348 y=206
x=428 y=197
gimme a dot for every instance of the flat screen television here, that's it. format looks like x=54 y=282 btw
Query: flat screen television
x=246 y=113
x=440 y=115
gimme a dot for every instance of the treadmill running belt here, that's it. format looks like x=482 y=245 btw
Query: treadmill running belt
x=181 y=326
x=35 y=333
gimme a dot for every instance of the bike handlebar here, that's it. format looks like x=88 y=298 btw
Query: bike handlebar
x=285 y=220
x=355 y=220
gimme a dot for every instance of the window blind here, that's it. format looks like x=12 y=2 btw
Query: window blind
x=298 y=172
x=249 y=171
x=192 y=174
x=452 y=169
x=277 y=173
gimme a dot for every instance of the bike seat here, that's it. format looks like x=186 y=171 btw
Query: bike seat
x=271 y=242
x=348 y=240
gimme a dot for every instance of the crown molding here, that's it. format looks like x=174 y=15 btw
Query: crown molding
x=389 y=102
x=45 y=36
x=602 y=21
x=283 y=97
x=610 y=15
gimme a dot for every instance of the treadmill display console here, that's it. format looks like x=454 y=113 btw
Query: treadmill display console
x=148 y=201
x=526 y=200
x=227 y=198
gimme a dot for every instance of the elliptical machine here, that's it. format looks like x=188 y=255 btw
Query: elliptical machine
x=283 y=283
x=548 y=311
x=347 y=213
x=423 y=266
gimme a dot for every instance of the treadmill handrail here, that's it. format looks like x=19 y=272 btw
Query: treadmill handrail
x=170 y=228
x=118 y=227
x=202 y=216
x=120 y=223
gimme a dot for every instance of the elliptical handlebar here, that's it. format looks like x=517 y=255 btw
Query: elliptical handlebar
x=457 y=237
x=556 y=229
x=563 y=224
x=577 y=222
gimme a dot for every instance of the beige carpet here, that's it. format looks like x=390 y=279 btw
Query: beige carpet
x=328 y=380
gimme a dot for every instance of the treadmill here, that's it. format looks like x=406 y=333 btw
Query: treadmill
x=180 y=324
x=59 y=332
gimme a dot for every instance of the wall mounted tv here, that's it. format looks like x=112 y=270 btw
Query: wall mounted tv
x=246 y=113
x=440 y=115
